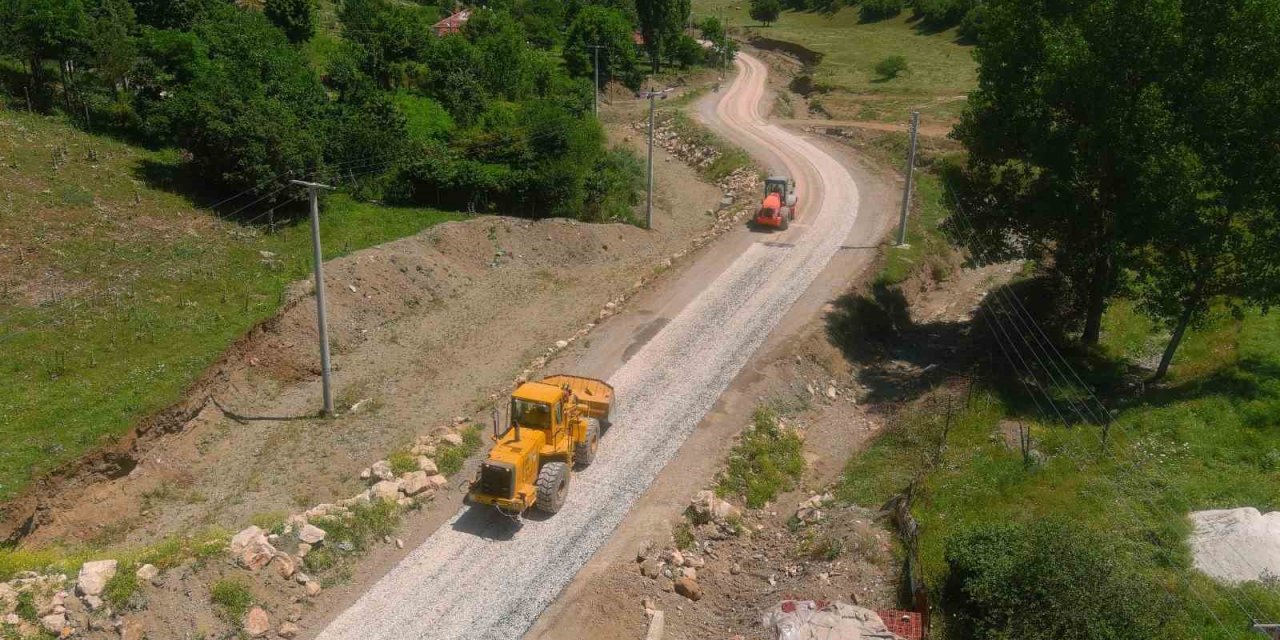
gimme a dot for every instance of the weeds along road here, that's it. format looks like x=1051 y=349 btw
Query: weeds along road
x=482 y=575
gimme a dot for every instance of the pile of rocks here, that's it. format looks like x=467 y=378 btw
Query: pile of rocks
x=674 y=571
x=53 y=607
x=810 y=511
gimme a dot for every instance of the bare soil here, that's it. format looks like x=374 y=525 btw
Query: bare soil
x=424 y=328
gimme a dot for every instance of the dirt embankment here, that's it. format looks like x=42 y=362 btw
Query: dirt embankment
x=423 y=328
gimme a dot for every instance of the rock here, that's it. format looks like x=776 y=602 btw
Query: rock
x=423 y=450
x=382 y=470
x=256 y=623
x=735 y=569
x=666 y=585
x=94 y=576
x=831 y=392
x=809 y=515
x=706 y=506
x=12 y=619
x=427 y=466
x=285 y=565
x=695 y=562
x=54 y=623
x=399 y=543
x=366 y=473
x=94 y=602
x=301 y=578
x=437 y=481
x=288 y=630
x=560 y=344
x=311 y=534
x=295 y=613
x=385 y=491
x=690 y=572
x=303 y=549
x=132 y=629
x=148 y=572
x=251 y=549
x=458 y=420
x=414 y=482
x=675 y=558
x=453 y=439
x=689 y=588
x=313 y=588
x=8 y=598
x=650 y=569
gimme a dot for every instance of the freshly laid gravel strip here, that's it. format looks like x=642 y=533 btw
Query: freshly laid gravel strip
x=484 y=576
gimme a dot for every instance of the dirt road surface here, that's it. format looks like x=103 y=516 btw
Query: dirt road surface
x=483 y=575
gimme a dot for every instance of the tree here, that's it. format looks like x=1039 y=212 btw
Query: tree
x=1050 y=580
x=296 y=18
x=1211 y=170
x=766 y=11
x=609 y=28
x=660 y=22
x=891 y=67
x=1056 y=132
x=872 y=10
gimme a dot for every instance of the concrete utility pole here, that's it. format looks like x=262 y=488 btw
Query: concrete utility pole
x=313 y=193
x=724 y=46
x=595 y=106
x=652 y=95
x=911 y=168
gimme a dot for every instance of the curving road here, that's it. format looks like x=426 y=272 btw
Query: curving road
x=484 y=576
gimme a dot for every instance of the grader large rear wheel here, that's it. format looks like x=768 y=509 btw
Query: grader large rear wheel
x=584 y=453
x=553 y=487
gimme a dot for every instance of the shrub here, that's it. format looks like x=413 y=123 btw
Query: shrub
x=873 y=10
x=891 y=67
x=232 y=597
x=1048 y=581
x=767 y=461
x=682 y=535
x=402 y=462
x=121 y=588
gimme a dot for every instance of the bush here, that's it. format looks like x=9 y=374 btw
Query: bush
x=296 y=18
x=1048 y=581
x=768 y=461
x=873 y=10
x=232 y=597
x=891 y=67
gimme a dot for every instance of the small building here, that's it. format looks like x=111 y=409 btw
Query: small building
x=452 y=24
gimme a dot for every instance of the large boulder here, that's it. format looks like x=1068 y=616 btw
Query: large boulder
x=384 y=491
x=251 y=548
x=256 y=623
x=311 y=534
x=94 y=576
x=689 y=588
x=414 y=482
x=707 y=507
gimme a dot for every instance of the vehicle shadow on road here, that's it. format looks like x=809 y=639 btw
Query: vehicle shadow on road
x=488 y=523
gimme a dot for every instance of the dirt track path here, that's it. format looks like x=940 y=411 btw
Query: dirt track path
x=484 y=576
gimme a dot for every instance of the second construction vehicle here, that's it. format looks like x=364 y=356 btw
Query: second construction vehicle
x=778 y=209
x=551 y=426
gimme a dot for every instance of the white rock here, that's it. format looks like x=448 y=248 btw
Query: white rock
x=366 y=473
x=94 y=576
x=311 y=534
x=560 y=344
x=831 y=392
x=453 y=439
x=384 y=491
x=414 y=482
x=241 y=541
x=54 y=623
x=148 y=572
x=675 y=558
x=382 y=470
x=427 y=465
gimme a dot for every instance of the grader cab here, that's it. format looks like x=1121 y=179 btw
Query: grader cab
x=551 y=426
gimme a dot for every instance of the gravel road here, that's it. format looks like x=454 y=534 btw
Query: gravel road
x=485 y=576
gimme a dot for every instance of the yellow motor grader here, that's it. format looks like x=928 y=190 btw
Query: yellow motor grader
x=551 y=426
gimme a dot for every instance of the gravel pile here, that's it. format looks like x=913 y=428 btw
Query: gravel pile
x=483 y=575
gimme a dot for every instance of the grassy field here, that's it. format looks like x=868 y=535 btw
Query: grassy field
x=116 y=291
x=1205 y=441
x=941 y=69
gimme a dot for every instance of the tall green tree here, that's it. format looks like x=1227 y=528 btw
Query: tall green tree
x=1212 y=170
x=1057 y=131
x=296 y=18
x=766 y=12
x=609 y=29
x=660 y=23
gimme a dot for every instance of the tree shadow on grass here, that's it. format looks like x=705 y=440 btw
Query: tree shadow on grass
x=249 y=205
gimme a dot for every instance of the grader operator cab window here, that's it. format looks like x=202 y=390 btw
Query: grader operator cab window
x=533 y=415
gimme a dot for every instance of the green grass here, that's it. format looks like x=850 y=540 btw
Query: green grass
x=233 y=599
x=139 y=291
x=768 y=461
x=367 y=523
x=925 y=242
x=1206 y=441
x=940 y=68
x=121 y=587
x=449 y=458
